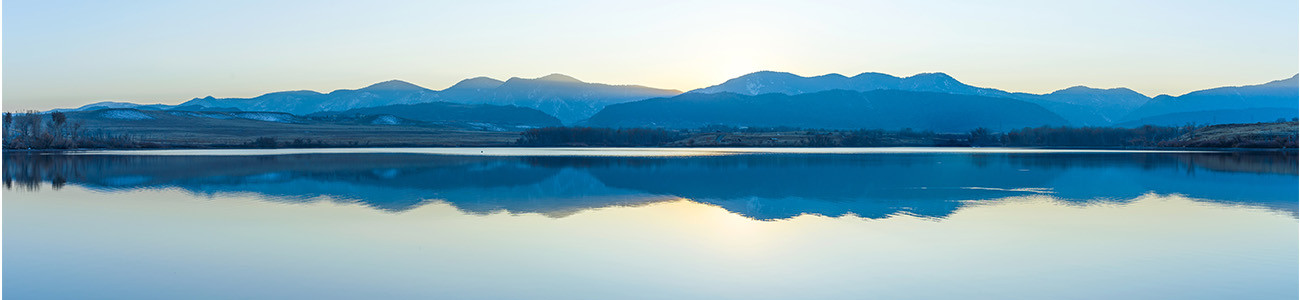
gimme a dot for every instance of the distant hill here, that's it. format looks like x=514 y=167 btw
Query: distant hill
x=1238 y=104
x=765 y=82
x=1085 y=106
x=1081 y=106
x=178 y=128
x=443 y=112
x=435 y=115
x=115 y=104
x=1254 y=135
x=564 y=97
x=561 y=96
x=306 y=102
x=836 y=109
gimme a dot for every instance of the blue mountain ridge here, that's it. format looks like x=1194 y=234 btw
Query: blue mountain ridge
x=572 y=101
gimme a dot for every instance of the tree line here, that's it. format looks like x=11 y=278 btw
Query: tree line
x=36 y=130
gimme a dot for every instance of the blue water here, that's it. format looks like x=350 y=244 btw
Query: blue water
x=468 y=223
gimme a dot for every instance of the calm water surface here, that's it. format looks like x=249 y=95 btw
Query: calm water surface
x=464 y=223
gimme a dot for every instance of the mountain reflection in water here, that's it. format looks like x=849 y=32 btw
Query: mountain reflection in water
x=758 y=186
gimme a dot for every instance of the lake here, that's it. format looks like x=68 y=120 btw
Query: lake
x=644 y=223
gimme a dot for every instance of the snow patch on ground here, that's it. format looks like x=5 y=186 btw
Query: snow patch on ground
x=486 y=126
x=386 y=120
x=754 y=87
x=216 y=116
x=201 y=115
x=124 y=114
x=267 y=117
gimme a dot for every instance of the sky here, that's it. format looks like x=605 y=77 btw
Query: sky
x=69 y=53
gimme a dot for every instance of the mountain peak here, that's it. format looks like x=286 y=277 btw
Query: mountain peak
x=873 y=75
x=1078 y=89
x=933 y=76
x=766 y=73
x=559 y=78
x=477 y=83
x=393 y=85
x=1081 y=90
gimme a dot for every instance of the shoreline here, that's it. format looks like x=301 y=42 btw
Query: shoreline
x=615 y=151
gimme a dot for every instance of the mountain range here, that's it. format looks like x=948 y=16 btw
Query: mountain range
x=1082 y=106
x=767 y=82
x=1237 y=104
x=925 y=101
x=564 y=97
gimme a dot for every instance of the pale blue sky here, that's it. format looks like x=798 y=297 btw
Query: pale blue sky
x=69 y=53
